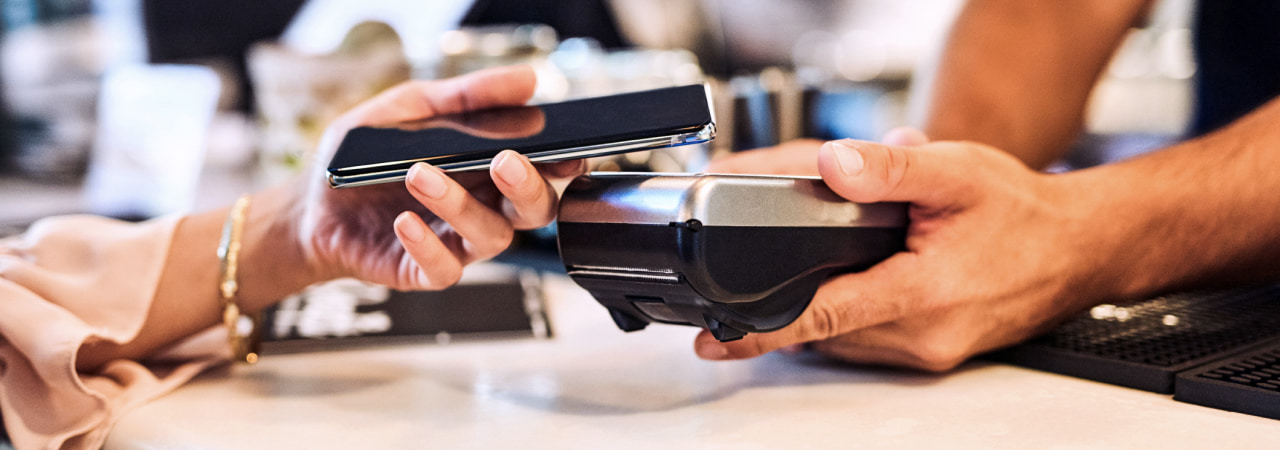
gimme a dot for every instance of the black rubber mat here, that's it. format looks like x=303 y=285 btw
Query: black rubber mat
x=1248 y=383
x=1144 y=345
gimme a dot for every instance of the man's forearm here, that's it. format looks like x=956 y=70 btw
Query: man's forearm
x=1202 y=213
x=1016 y=75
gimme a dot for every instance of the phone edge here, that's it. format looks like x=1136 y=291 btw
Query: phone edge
x=703 y=135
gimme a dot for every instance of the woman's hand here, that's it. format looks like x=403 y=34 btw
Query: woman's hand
x=416 y=235
x=420 y=234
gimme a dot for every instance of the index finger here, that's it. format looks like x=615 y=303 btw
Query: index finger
x=419 y=99
x=845 y=303
x=422 y=99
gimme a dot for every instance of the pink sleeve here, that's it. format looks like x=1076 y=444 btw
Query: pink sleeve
x=68 y=281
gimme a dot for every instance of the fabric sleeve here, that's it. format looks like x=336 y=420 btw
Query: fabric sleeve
x=71 y=280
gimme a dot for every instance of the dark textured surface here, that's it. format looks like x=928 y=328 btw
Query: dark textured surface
x=464 y=311
x=1147 y=344
x=1249 y=383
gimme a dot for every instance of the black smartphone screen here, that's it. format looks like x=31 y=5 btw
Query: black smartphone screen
x=572 y=129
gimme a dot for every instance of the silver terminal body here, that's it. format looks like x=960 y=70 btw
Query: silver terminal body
x=740 y=200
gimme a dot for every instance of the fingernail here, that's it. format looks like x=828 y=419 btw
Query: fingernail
x=411 y=229
x=509 y=169
x=428 y=181
x=712 y=351
x=848 y=159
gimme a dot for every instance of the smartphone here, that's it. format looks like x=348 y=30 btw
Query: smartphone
x=573 y=129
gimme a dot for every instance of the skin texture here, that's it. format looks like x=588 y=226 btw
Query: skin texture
x=1013 y=74
x=997 y=251
x=1016 y=75
x=942 y=299
x=413 y=236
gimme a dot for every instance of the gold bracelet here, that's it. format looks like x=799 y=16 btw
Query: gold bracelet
x=244 y=343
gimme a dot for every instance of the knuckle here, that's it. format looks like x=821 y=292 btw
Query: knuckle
x=823 y=322
x=491 y=245
x=539 y=221
x=453 y=205
x=501 y=239
x=531 y=214
x=541 y=218
x=452 y=276
x=899 y=165
x=444 y=276
x=757 y=347
x=532 y=198
x=939 y=353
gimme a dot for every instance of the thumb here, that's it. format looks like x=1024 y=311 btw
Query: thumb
x=842 y=304
x=867 y=172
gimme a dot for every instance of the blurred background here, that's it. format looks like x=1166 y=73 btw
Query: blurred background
x=140 y=108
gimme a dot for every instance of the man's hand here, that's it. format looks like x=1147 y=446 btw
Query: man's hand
x=798 y=157
x=993 y=255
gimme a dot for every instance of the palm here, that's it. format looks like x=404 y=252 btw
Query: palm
x=351 y=229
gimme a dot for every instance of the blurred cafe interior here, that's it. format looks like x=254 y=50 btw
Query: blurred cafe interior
x=137 y=109
x=238 y=91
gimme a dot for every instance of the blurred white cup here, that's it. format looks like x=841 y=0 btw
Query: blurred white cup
x=149 y=147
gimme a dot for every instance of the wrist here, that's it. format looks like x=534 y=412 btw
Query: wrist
x=1121 y=250
x=274 y=263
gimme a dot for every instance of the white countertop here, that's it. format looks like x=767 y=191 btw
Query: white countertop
x=592 y=386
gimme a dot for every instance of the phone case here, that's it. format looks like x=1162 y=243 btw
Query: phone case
x=598 y=126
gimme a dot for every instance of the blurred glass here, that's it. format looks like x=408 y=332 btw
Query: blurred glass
x=298 y=94
x=469 y=49
x=150 y=144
